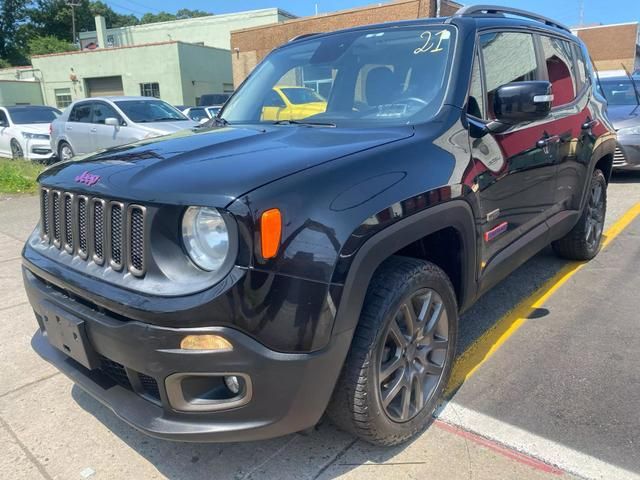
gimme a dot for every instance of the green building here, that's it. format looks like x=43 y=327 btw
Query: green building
x=176 y=61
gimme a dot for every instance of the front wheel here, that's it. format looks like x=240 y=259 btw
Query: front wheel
x=583 y=241
x=16 y=150
x=401 y=354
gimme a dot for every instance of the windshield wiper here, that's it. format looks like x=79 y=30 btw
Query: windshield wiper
x=306 y=124
x=221 y=122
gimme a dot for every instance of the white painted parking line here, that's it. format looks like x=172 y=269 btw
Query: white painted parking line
x=548 y=451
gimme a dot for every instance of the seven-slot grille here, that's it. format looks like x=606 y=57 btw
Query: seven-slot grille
x=618 y=158
x=107 y=232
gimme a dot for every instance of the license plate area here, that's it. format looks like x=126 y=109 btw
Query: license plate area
x=67 y=333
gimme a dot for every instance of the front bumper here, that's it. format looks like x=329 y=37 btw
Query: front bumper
x=37 y=149
x=289 y=392
x=627 y=153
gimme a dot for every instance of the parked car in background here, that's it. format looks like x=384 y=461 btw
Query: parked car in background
x=102 y=122
x=197 y=114
x=209 y=99
x=201 y=114
x=623 y=97
x=24 y=132
x=292 y=103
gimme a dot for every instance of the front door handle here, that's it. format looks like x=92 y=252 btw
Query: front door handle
x=94 y=130
x=546 y=141
x=589 y=124
x=68 y=128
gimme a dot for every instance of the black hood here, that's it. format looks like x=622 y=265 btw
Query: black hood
x=213 y=166
x=623 y=116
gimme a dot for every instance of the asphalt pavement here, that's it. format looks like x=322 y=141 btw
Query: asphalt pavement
x=558 y=397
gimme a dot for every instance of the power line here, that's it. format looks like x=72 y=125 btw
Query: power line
x=126 y=8
x=145 y=6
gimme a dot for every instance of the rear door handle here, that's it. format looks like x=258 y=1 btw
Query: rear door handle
x=546 y=141
x=94 y=130
x=589 y=124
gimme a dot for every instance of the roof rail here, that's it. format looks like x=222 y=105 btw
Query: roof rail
x=498 y=10
x=300 y=37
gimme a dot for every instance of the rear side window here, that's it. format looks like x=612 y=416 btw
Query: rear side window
x=81 y=113
x=507 y=57
x=558 y=56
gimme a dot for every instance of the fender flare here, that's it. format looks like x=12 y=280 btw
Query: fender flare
x=455 y=213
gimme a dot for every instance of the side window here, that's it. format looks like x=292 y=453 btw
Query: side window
x=558 y=58
x=102 y=111
x=475 y=105
x=3 y=118
x=507 y=57
x=581 y=68
x=274 y=100
x=81 y=113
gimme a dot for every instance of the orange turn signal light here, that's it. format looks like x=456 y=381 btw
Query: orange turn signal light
x=205 y=342
x=270 y=232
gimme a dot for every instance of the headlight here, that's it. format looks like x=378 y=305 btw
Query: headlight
x=35 y=136
x=630 y=130
x=206 y=237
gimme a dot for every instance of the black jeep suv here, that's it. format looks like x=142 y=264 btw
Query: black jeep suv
x=236 y=281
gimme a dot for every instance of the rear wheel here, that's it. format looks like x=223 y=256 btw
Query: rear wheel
x=583 y=241
x=401 y=354
x=16 y=150
x=65 y=152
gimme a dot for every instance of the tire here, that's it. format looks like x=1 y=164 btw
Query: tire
x=16 y=150
x=357 y=403
x=584 y=240
x=65 y=152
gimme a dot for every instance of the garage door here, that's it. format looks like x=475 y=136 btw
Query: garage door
x=104 y=86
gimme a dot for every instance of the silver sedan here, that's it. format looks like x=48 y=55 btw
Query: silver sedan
x=97 y=123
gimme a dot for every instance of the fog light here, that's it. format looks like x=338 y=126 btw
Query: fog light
x=205 y=342
x=232 y=383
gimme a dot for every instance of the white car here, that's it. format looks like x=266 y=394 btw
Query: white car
x=97 y=123
x=24 y=132
x=201 y=114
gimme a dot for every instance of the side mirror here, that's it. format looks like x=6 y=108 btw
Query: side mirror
x=3 y=124
x=519 y=102
x=114 y=122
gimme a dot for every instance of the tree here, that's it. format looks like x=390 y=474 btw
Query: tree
x=4 y=63
x=48 y=44
x=12 y=14
x=181 y=14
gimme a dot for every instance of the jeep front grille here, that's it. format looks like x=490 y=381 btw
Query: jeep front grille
x=106 y=232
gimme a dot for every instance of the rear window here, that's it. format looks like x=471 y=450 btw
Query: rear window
x=298 y=96
x=22 y=116
x=149 y=111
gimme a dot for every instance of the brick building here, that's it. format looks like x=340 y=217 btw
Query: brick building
x=612 y=46
x=249 y=46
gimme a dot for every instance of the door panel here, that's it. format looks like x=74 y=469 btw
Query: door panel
x=5 y=137
x=107 y=136
x=516 y=172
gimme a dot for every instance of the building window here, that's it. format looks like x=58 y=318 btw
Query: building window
x=227 y=87
x=63 y=97
x=150 y=90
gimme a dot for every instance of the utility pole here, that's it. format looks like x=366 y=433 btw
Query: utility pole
x=73 y=4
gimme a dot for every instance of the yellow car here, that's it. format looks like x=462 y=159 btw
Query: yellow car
x=292 y=103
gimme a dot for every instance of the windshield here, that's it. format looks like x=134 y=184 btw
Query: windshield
x=147 y=111
x=619 y=91
x=386 y=76
x=26 y=115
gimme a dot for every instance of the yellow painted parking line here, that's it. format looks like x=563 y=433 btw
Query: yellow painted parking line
x=489 y=342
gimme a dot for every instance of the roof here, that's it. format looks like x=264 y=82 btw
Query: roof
x=222 y=17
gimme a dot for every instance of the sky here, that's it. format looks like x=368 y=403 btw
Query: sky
x=564 y=11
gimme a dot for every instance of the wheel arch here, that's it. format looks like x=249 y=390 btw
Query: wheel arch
x=454 y=217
